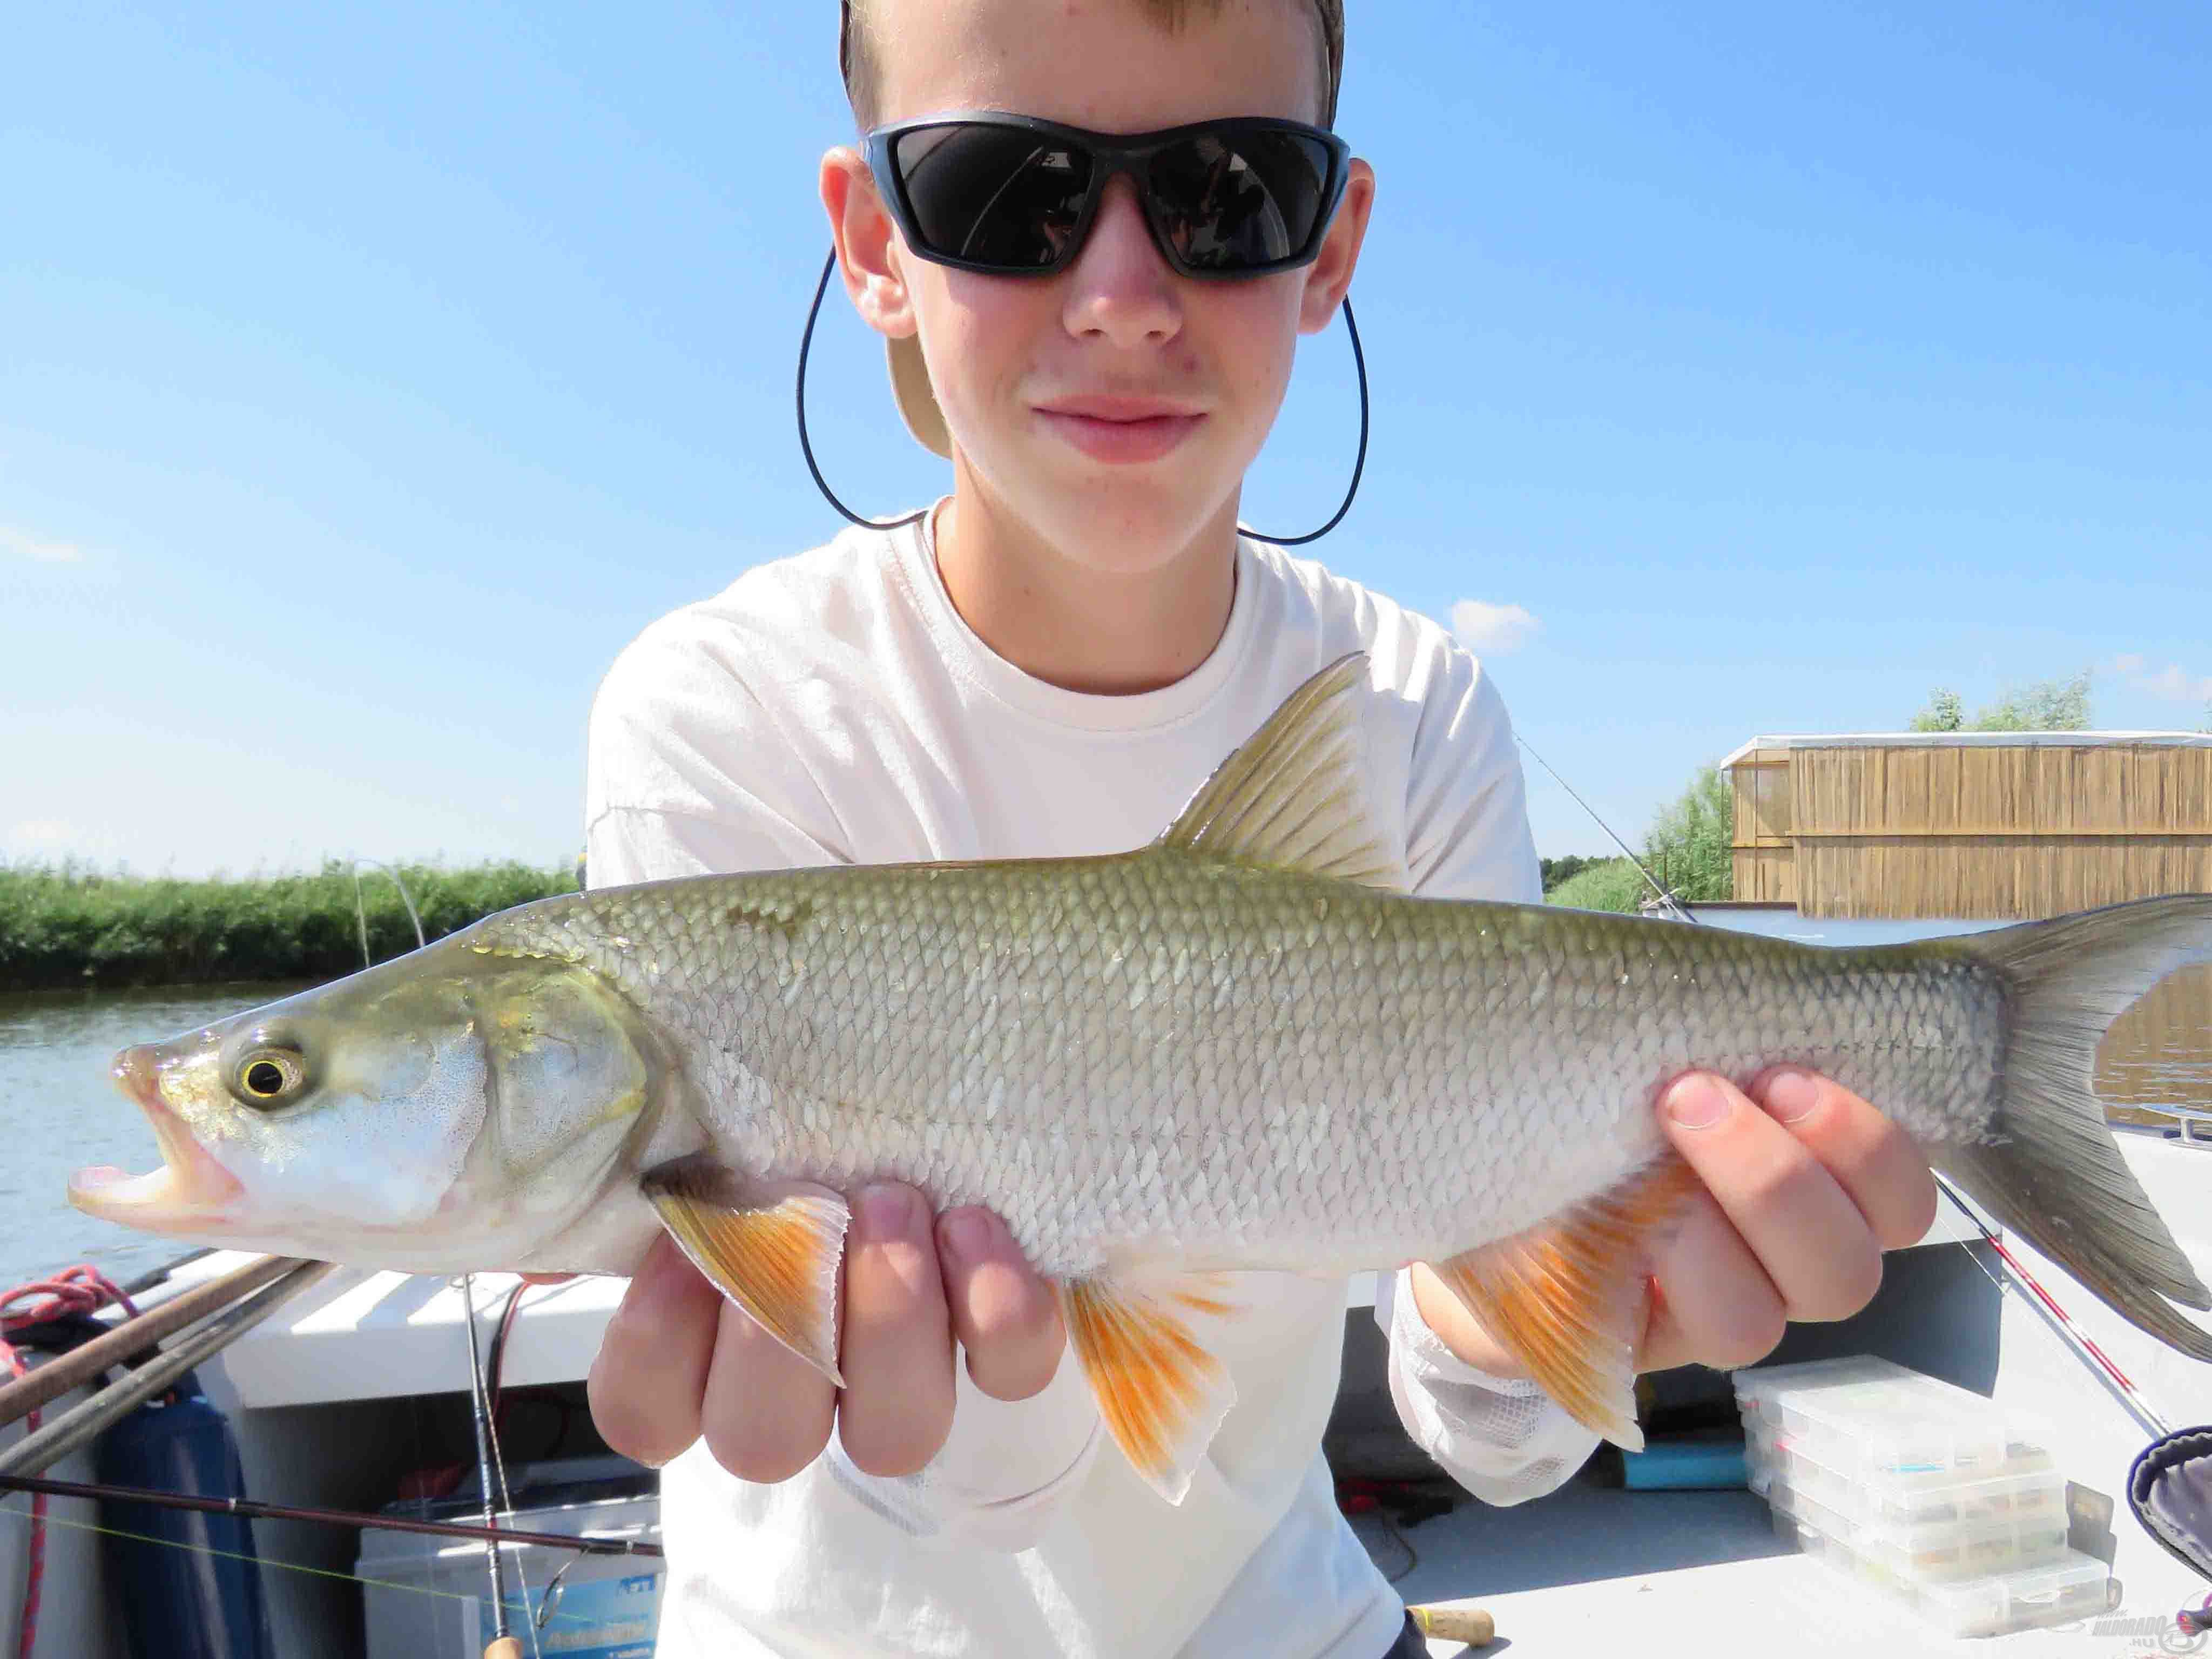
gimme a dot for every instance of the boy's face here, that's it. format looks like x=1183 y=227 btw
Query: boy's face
x=1111 y=408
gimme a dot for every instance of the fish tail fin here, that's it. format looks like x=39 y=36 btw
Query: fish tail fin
x=2048 y=1167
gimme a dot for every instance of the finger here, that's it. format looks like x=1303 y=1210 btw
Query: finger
x=1806 y=1232
x=896 y=1353
x=1712 y=1301
x=1005 y=1317
x=651 y=1368
x=1878 y=1164
x=766 y=1412
x=1453 y=1323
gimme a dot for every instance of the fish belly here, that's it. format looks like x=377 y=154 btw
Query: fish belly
x=1161 y=1056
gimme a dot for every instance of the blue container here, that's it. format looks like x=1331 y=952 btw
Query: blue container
x=1685 y=1466
x=202 y=1600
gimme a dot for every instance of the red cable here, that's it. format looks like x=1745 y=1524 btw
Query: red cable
x=82 y=1289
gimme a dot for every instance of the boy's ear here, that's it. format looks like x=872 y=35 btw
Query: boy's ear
x=868 y=251
x=1329 y=278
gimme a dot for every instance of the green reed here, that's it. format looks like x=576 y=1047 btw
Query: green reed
x=67 y=925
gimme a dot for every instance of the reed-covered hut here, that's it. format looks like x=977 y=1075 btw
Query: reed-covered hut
x=1994 y=826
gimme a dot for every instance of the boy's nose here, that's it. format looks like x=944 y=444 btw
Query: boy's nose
x=1120 y=286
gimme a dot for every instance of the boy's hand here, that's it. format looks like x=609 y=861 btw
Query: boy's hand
x=679 y=1361
x=1804 y=1190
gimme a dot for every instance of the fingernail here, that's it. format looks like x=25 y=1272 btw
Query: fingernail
x=886 y=1211
x=968 y=1236
x=1790 y=1096
x=1696 y=1101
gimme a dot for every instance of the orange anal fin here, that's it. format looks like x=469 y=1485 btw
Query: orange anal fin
x=1160 y=1390
x=1562 y=1297
x=772 y=1249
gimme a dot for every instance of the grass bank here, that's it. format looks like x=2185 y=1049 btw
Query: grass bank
x=1613 y=885
x=63 y=928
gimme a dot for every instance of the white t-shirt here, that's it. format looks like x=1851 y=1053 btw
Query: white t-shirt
x=834 y=707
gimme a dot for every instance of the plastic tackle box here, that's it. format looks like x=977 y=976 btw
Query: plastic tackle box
x=1918 y=1488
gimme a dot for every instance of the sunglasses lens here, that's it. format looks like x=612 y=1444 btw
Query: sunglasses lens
x=995 y=195
x=1241 y=200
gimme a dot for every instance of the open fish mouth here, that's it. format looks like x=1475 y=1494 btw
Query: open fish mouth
x=189 y=1187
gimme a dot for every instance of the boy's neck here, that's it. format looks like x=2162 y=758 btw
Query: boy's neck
x=1073 y=626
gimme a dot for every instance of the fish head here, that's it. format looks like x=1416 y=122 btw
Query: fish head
x=435 y=1113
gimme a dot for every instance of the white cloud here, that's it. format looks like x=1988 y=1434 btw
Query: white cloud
x=37 y=548
x=1494 y=627
x=2174 y=683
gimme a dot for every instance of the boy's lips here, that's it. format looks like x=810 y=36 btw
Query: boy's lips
x=1112 y=427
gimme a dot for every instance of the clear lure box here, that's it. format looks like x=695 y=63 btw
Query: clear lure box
x=1918 y=1489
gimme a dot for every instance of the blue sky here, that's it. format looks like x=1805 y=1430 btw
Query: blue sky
x=369 y=376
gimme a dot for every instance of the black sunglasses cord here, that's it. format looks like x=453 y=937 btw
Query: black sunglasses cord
x=806 y=448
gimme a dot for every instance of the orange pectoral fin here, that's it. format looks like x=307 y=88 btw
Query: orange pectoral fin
x=772 y=1249
x=1561 y=1297
x=1162 y=1393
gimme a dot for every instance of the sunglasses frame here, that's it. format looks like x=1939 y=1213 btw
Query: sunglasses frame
x=1112 y=155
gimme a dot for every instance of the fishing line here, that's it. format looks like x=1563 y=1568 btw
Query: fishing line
x=813 y=468
x=106 y=1531
x=484 y=1400
x=361 y=911
x=1665 y=897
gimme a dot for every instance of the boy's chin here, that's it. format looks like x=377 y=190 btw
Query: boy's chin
x=1114 y=538
x=1127 y=519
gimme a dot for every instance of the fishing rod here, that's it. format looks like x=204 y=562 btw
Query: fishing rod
x=83 y=1424
x=253 y=1509
x=133 y=1336
x=503 y=1644
x=2084 y=1346
x=1666 y=895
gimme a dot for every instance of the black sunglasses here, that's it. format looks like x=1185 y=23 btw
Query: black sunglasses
x=1011 y=195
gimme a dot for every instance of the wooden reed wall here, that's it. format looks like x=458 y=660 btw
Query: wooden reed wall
x=1996 y=832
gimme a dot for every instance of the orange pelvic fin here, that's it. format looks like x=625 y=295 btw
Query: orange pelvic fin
x=772 y=1249
x=1562 y=1296
x=1160 y=1389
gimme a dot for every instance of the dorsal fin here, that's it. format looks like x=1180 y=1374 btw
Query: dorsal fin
x=1294 y=797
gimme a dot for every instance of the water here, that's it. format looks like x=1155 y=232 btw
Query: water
x=62 y=1112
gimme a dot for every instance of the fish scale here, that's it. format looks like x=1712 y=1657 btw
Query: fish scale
x=1333 y=1078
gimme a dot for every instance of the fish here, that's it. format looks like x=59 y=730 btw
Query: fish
x=1243 y=1048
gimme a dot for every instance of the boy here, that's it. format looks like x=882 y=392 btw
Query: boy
x=1050 y=662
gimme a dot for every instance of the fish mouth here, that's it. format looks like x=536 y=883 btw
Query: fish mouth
x=189 y=1189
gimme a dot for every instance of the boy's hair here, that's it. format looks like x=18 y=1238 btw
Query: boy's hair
x=856 y=48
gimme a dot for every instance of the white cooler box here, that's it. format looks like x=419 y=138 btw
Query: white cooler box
x=606 y=1606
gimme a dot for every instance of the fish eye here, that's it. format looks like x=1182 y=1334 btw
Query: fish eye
x=269 y=1077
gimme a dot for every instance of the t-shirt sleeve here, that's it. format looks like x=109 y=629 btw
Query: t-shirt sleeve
x=687 y=778
x=1467 y=837
x=1466 y=809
